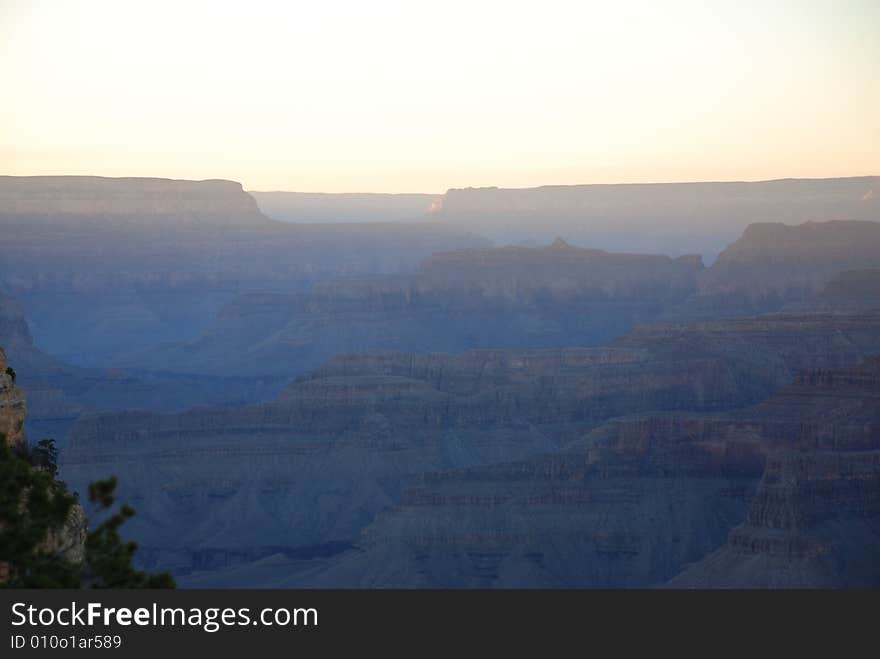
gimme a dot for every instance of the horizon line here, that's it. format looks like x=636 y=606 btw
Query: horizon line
x=480 y=187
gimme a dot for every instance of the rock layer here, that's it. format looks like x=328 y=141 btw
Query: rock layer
x=792 y=485
x=772 y=265
x=673 y=218
x=340 y=444
x=518 y=298
x=815 y=517
x=102 y=265
x=849 y=291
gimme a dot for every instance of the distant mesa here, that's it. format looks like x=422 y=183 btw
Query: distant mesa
x=671 y=218
x=124 y=197
x=107 y=264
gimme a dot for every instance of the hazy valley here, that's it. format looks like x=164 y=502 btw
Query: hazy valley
x=417 y=402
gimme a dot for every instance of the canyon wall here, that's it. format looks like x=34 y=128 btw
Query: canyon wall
x=783 y=494
x=532 y=297
x=342 y=443
x=813 y=522
x=672 y=218
x=772 y=265
x=493 y=298
x=104 y=265
x=72 y=198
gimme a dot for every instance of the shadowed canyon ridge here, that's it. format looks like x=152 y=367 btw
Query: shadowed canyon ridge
x=593 y=386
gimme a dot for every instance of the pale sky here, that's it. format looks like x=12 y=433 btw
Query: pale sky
x=375 y=95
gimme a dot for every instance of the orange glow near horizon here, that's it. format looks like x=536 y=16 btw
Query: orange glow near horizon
x=392 y=96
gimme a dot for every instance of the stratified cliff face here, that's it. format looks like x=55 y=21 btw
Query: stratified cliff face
x=103 y=265
x=793 y=483
x=815 y=519
x=13 y=408
x=626 y=519
x=315 y=466
x=495 y=298
x=775 y=264
x=776 y=345
x=849 y=291
x=561 y=269
x=675 y=218
x=73 y=198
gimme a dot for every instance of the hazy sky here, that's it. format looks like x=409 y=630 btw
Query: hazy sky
x=374 y=95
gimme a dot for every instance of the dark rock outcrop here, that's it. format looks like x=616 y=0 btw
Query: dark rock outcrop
x=13 y=408
x=68 y=539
